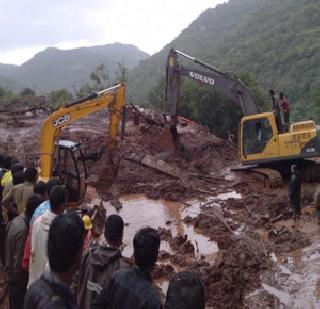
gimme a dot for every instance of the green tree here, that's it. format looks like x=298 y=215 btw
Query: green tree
x=256 y=89
x=156 y=97
x=59 y=97
x=5 y=95
x=27 y=92
x=121 y=73
x=99 y=80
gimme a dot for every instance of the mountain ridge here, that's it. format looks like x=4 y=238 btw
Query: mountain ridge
x=53 y=68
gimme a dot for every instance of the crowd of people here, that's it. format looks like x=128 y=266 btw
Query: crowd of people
x=52 y=260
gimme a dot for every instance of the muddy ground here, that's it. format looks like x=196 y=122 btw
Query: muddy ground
x=235 y=233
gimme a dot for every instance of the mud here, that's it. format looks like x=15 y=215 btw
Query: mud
x=238 y=272
x=233 y=231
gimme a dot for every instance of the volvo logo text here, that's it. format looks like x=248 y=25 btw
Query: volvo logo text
x=202 y=78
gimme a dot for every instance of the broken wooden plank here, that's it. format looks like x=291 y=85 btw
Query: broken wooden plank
x=156 y=164
x=277 y=218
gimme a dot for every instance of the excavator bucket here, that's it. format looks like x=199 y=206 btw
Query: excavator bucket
x=166 y=140
x=107 y=176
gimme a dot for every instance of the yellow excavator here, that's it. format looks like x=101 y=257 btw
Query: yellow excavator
x=63 y=158
x=262 y=144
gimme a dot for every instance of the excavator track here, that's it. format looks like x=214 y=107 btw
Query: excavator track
x=273 y=178
x=274 y=174
x=310 y=170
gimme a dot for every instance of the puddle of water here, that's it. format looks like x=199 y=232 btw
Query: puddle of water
x=137 y=212
x=229 y=175
x=193 y=210
x=284 y=297
x=141 y=212
x=298 y=276
x=229 y=195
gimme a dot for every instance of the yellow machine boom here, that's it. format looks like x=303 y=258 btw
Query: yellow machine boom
x=113 y=98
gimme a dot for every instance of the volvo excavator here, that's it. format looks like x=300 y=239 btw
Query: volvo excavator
x=262 y=145
x=63 y=158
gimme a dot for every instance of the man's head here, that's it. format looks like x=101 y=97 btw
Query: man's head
x=1 y=159
x=271 y=92
x=65 y=241
x=15 y=161
x=58 y=199
x=50 y=184
x=281 y=95
x=32 y=203
x=113 y=230
x=31 y=174
x=6 y=162
x=146 y=244
x=185 y=291
x=40 y=188
x=17 y=167
x=294 y=169
x=17 y=174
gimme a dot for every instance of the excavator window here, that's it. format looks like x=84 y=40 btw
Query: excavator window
x=70 y=168
x=256 y=135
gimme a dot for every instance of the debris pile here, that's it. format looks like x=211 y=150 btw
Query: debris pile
x=237 y=272
x=247 y=230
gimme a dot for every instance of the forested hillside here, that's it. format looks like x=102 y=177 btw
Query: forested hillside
x=276 y=42
x=54 y=69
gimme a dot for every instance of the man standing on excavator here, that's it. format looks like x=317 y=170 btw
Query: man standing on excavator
x=276 y=110
x=284 y=105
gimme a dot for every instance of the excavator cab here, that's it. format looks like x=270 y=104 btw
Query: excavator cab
x=70 y=168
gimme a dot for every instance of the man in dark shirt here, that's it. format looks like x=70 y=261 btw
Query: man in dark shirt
x=185 y=291
x=132 y=288
x=65 y=241
x=99 y=262
x=16 y=238
x=294 y=188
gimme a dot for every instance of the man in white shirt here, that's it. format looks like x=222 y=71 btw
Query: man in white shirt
x=40 y=229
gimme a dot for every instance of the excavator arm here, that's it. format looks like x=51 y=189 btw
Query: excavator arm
x=222 y=82
x=113 y=98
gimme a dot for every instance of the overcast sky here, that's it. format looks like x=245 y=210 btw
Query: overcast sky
x=29 y=26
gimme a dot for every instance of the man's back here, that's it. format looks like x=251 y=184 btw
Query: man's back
x=38 y=251
x=129 y=288
x=20 y=194
x=41 y=209
x=16 y=238
x=97 y=267
x=49 y=293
